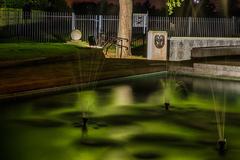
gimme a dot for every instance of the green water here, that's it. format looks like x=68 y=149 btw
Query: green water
x=127 y=121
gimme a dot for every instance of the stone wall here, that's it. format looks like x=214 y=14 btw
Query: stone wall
x=216 y=70
x=157 y=48
x=54 y=74
x=180 y=47
x=209 y=70
x=215 y=51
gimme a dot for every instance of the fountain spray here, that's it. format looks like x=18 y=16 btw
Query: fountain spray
x=220 y=119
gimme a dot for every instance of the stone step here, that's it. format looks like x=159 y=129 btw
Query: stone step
x=216 y=70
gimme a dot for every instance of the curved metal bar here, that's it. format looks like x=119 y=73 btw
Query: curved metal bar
x=115 y=41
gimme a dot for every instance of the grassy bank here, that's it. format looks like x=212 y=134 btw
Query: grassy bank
x=23 y=51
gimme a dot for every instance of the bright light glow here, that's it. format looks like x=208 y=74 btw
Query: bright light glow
x=123 y=95
x=196 y=1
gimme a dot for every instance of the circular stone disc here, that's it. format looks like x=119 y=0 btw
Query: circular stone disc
x=76 y=35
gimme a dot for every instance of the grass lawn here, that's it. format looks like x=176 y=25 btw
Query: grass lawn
x=23 y=51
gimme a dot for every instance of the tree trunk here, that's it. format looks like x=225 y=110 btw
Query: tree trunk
x=125 y=28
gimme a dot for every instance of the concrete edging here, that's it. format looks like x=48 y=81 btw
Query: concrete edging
x=54 y=90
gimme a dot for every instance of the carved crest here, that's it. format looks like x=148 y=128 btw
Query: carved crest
x=159 y=41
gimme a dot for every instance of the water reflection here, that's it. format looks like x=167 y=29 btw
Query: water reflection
x=126 y=121
x=122 y=95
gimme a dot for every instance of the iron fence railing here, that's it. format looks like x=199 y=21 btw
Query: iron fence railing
x=196 y=27
x=57 y=26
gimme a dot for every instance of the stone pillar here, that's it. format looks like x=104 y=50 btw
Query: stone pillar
x=157 y=45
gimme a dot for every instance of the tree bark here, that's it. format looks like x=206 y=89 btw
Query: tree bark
x=125 y=27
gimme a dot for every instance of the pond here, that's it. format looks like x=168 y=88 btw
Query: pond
x=127 y=120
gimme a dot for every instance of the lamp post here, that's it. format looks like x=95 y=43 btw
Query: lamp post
x=195 y=7
x=196 y=2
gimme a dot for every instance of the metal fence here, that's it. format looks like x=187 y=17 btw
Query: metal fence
x=36 y=26
x=196 y=27
x=103 y=27
x=57 y=26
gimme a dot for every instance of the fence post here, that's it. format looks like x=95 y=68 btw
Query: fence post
x=17 y=25
x=145 y=26
x=189 y=26
x=96 y=27
x=73 y=21
x=100 y=26
x=8 y=22
x=233 y=26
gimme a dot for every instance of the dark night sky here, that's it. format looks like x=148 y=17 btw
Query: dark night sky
x=156 y=3
x=219 y=5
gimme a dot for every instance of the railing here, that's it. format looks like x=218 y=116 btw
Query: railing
x=37 y=26
x=118 y=42
x=196 y=27
x=57 y=26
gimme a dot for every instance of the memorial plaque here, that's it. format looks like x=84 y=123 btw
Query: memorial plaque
x=157 y=45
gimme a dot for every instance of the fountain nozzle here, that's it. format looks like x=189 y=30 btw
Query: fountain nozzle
x=222 y=145
x=166 y=106
x=85 y=121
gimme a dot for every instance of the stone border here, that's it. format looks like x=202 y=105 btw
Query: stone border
x=215 y=51
x=180 y=47
x=47 y=91
x=222 y=72
x=217 y=70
